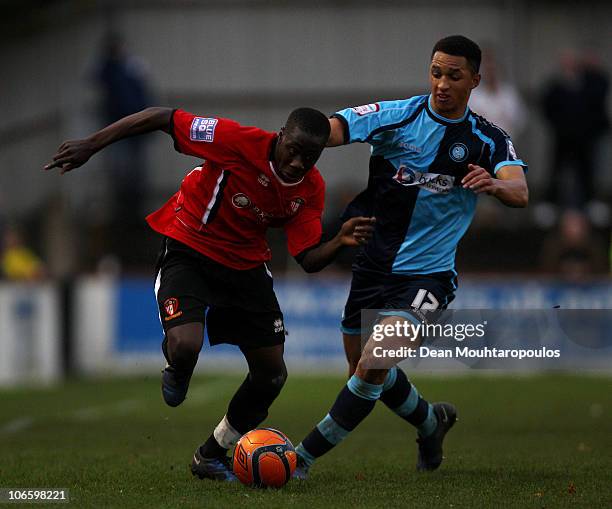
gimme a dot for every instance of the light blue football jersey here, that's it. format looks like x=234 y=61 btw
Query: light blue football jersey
x=414 y=186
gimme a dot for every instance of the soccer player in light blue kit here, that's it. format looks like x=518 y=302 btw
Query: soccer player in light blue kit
x=431 y=158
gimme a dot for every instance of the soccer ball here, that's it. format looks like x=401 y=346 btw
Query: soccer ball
x=264 y=457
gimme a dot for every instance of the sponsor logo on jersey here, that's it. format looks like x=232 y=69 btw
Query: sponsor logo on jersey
x=458 y=152
x=294 y=205
x=410 y=147
x=203 y=129
x=278 y=325
x=171 y=306
x=263 y=180
x=241 y=200
x=511 y=150
x=366 y=108
x=433 y=182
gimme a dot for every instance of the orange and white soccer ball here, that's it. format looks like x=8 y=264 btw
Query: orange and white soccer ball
x=264 y=457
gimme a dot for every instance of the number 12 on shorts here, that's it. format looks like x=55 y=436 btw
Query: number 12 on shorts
x=419 y=301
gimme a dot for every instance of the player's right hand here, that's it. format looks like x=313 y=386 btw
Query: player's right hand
x=357 y=231
x=70 y=155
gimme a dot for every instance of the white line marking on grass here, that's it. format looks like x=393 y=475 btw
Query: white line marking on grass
x=17 y=425
x=202 y=393
x=92 y=413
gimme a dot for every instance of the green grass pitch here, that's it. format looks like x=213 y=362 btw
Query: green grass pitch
x=541 y=442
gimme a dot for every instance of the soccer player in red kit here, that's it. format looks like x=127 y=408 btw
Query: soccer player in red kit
x=212 y=268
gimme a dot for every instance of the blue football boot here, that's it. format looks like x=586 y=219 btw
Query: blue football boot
x=217 y=469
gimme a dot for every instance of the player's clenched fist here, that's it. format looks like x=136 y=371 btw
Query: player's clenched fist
x=479 y=180
x=357 y=231
x=71 y=155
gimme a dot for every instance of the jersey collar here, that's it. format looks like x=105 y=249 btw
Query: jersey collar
x=440 y=118
x=281 y=181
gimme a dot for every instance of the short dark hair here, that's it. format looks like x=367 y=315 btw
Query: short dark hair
x=460 y=46
x=310 y=121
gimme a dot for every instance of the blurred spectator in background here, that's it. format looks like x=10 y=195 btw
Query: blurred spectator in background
x=574 y=104
x=124 y=86
x=574 y=250
x=497 y=99
x=17 y=261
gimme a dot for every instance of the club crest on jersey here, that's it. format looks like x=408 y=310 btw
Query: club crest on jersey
x=241 y=200
x=366 y=108
x=263 y=180
x=432 y=182
x=295 y=204
x=458 y=152
x=171 y=306
x=203 y=129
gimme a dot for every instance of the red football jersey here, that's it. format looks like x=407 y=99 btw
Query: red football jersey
x=225 y=205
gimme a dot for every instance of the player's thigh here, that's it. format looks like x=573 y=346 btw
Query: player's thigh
x=246 y=328
x=367 y=291
x=181 y=292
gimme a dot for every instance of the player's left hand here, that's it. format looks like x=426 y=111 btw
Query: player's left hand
x=71 y=155
x=357 y=231
x=479 y=180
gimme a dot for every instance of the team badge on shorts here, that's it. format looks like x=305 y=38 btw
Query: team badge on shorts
x=458 y=152
x=171 y=306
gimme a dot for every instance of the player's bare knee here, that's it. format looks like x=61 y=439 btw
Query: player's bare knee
x=372 y=376
x=277 y=382
x=184 y=340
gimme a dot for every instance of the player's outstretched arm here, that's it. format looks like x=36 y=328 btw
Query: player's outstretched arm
x=354 y=232
x=74 y=153
x=510 y=186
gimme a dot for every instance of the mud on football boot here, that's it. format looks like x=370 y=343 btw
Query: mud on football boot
x=174 y=385
x=430 y=448
x=217 y=469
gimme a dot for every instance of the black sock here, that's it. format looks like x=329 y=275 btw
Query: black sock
x=212 y=449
